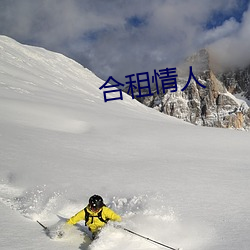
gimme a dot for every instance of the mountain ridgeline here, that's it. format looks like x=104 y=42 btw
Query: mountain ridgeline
x=223 y=103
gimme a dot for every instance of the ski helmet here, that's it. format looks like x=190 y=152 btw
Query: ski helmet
x=95 y=202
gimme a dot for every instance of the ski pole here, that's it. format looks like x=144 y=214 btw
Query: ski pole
x=45 y=228
x=146 y=238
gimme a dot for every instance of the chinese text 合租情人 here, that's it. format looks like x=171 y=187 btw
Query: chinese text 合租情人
x=142 y=84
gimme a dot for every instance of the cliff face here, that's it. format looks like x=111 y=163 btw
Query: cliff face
x=213 y=106
x=237 y=81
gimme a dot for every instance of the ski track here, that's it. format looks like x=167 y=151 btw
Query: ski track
x=145 y=214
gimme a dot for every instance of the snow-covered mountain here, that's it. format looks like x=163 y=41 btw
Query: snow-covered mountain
x=216 y=105
x=182 y=185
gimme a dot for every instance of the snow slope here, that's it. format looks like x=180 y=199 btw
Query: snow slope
x=176 y=183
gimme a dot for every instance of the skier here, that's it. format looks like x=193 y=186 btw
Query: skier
x=95 y=214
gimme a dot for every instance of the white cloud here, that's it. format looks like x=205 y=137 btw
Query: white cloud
x=97 y=33
x=233 y=50
x=229 y=27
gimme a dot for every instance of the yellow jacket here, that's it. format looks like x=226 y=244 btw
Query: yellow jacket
x=94 y=223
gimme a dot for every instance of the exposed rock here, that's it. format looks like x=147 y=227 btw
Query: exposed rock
x=213 y=106
x=237 y=81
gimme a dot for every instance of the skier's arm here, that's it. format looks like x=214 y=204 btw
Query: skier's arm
x=77 y=217
x=110 y=214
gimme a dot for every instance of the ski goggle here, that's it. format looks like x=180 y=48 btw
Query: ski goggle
x=94 y=208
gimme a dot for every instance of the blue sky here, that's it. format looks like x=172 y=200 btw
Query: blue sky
x=218 y=17
x=118 y=37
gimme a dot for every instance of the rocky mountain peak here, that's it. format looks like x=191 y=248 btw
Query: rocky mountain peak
x=200 y=62
x=213 y=106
